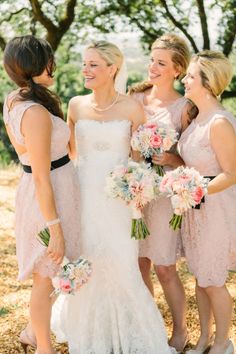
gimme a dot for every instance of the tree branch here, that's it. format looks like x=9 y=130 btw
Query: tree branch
x=54 y=32
x=2 y=43
x=204 y=25
x=41 y=17
x=67 y=20
x=179 y=25
x=230 y=31
x=13 y=14
x=228 y=94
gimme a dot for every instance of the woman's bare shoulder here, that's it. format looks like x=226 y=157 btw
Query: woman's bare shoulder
x=79 y=100
x=130 y=101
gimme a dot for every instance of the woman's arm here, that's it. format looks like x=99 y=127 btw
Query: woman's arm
x=71 y=123
x=37 y=128
x=223 y=141
x=138 y=118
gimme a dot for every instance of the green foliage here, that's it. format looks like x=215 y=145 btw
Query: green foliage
x=7 y=152
x=3 y=311
x=151 y=18
x=230 y=104
x=134 y=77
x=68 y=77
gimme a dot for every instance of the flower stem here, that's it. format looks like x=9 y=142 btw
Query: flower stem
x=139 y=229
x=176 y=221
x=160 y=170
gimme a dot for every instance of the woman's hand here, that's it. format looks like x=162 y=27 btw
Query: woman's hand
x=56 y=247
x=167 y=159
x=159 y=159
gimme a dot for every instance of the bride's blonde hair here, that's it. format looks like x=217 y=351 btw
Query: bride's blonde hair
x=180 y=56
x=109 y=52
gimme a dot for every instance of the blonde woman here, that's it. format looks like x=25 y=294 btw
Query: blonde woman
x=209 y=145
x=114 y=312
x=163 y=104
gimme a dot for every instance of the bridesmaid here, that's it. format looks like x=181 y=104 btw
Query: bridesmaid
x=34 y=123
x=163 y=104
x=209 y=237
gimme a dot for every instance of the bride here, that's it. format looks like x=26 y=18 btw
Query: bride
x=114 y=312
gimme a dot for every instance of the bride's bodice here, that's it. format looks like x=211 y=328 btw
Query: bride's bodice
x=103 y=141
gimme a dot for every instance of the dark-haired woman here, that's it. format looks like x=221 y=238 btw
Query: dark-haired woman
x=47 y=193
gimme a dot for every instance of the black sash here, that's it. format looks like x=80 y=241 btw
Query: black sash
x=54 y=164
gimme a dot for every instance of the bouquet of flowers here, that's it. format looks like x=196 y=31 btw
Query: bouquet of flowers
x=137 y=185
x=72 y=275
x=151 y=138
x=186 y=188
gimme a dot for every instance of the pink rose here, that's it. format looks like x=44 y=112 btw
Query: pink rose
x=156 y=141
x=151 y=126
x=198 y=194
x=184 y=179
x=166 y=183
x=65 y=285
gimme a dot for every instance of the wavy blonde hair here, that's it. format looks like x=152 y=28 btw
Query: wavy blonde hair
x=180 y=56
x=215 y=70
x=109 y=52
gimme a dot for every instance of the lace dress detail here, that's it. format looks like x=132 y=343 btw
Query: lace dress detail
x=114 y=312
x=209 y=236
x=31 y=255
x=163 y=246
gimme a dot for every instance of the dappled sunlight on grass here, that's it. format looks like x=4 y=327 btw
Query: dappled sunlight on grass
x=14 y=296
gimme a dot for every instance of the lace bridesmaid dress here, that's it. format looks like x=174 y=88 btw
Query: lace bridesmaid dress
x=163 y=246
x=114 y=312
x=31 y=254
x=209 y=233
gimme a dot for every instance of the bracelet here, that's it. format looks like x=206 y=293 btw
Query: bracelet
x=53 y=222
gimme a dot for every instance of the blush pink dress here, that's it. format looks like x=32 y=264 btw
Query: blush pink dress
x=209 y=233
x=163 y=246
x=31 y=254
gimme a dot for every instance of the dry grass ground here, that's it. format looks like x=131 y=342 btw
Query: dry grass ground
x=14 y=296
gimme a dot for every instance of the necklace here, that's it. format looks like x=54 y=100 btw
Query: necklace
x=108 y=107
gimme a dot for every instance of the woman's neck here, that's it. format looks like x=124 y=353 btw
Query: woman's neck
x=163 y=95
x=103 y=97
x=206 y=104
x=163 y=91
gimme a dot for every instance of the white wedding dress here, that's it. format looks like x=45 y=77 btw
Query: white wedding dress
x=114 y=312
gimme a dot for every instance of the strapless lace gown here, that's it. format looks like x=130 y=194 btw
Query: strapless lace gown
x=114 y=312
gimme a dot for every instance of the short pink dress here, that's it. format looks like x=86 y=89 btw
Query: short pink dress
x=31 y=254
x=163 y=246
x=209 y=233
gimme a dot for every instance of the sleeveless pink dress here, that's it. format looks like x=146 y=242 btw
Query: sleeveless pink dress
x=31 y=254
x=209 y=233
x=163 y=246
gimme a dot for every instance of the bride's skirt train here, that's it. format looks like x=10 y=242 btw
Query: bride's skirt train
x=113 y=313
